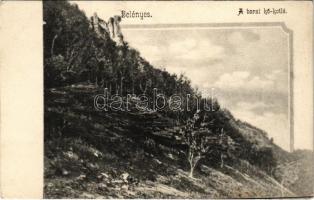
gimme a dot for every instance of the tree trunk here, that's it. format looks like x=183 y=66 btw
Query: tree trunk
x=191 y=171
x=117 y=88
x=191 y=158
x=53 y=44
x=145 y=88
x=96 y=81
x=141 y=87
x=121 y=85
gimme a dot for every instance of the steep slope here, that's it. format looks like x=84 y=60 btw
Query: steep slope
x=91 y=153
x=120 y=155
x=298 y=174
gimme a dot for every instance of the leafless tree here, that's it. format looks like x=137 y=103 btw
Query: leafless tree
x=198 y=140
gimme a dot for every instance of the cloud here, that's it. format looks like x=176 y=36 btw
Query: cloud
x=275 y=124
x=240 y=38
x=193 y=49
x=243 y=80
x=188 y=50
x=180 y=47
x=247 y=65
x=252 y=105
x=150 y=53
x=274 y=74
x=249 y=81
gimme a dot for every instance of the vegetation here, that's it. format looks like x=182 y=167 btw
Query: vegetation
x=198 y=141
x=79 y=141
x=204 y=138
x=74 y=53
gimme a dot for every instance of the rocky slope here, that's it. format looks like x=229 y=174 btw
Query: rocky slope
x=91 y=154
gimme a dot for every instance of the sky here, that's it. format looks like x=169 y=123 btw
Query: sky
x=247 y=67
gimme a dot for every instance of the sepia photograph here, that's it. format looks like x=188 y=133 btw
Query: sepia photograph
x=168 y=110
x=156 y=100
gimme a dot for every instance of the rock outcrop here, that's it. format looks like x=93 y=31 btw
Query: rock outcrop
x=111 y=28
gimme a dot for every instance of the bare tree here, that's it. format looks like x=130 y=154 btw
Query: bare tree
x=198 y=140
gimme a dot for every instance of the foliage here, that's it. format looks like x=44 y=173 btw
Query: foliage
x=264 y=158
x=204 y=138
x=73 y=53
x=197 y=141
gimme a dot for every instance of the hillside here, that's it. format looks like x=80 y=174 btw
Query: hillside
x=91 y=153
x=118 y=155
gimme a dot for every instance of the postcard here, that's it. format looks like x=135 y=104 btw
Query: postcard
x=156 y=99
